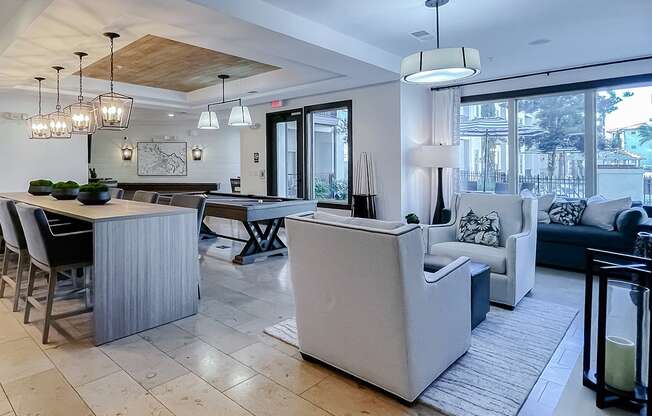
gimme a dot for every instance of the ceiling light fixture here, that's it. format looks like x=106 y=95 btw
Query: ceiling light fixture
x=39 y=125
x=60 y=122
x=82 y=113
x=239 y=116
x=441 y=64
x=113 y=109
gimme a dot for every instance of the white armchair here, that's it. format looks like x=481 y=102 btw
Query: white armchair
x=512 y=263
x=364 y=304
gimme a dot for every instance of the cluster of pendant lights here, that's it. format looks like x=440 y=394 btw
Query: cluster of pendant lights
x=240 y=116
x=110 y=111
x=440 y=65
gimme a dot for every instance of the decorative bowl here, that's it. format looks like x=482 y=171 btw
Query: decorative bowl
x=39 y=190
x=94 y=198
x=65 y=193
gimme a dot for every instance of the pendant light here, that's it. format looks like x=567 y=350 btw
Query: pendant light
x=82 y=113
x=208 y=118
x=441 y=64
x=60 y=122
x=113 y=109
x=239 y=116
x=39 y=125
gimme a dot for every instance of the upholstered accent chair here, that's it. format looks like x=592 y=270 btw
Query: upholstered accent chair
x=512 y=263
x=365 y=305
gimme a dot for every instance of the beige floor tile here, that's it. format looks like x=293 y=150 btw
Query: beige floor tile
x=10 y=329
x=144 y=362
x=217 y=368
x=21 y=358
x=118 y=394
x=168 y=337
x=342 y=396
x=189 y=395
x=5 y=407
x=287 y=371
x=46 y=393
x=263 y=397
x=81 y=362
x=218 y=335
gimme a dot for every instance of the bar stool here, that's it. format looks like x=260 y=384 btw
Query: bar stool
x=14 y=240
x=117 y=193
x=145 y=196
x=53 y=254
x=197 y=202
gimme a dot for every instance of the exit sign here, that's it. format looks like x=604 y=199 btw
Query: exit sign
x=277 y=103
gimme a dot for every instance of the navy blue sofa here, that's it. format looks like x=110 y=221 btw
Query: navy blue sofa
x=565 y=246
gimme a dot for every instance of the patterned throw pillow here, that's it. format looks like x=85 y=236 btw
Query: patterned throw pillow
x=567 y=213
x=477 y=229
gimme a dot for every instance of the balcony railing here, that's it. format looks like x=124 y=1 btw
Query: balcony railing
x=538 y=184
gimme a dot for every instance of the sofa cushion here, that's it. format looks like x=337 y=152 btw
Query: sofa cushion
x=581 y=235
x=494 y=257
x=477 y=229
x=567 y=213
x=508 y=207
x=602 y=213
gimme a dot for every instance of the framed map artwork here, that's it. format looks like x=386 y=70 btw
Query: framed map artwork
x=162 y=158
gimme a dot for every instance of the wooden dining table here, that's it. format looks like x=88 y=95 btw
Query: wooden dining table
x=146 y=267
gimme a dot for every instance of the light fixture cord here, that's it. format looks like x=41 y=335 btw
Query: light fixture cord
x=223 y=96
x=437 y=14
x=39 y=97
x=111 y=39
x=58 y=103
x=81 y=97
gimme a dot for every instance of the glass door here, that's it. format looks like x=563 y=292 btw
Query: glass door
x=285 y=159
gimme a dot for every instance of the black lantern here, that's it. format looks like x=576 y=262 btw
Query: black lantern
x=60 y=122
x=39 y=124
x=197 y=152
x=127 y=150
x=113 y=109
x=621 y=372
x=82 y=113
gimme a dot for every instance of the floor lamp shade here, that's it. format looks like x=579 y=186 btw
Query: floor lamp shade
x=440 y=157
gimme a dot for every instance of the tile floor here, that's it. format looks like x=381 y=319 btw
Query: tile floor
x=218 y=362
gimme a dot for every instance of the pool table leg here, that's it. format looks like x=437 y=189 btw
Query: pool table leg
x=261 y=243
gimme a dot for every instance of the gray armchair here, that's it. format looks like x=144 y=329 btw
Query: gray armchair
x=512 y=263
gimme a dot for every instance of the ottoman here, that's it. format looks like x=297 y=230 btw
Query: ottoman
x=480 y=284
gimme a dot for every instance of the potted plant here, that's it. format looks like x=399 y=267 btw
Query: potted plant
x=65 y=190
x=94 y=194
x=40 y=187
x=412 y=218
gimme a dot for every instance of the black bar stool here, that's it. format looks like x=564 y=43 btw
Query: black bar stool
x=14 y=240
x=145 y=196
x=54 y=254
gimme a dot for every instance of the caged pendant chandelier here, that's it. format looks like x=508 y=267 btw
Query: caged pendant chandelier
x=112 y=109
x=82 y=113
x=60 y=123
x=39 y=125
x=440 y=65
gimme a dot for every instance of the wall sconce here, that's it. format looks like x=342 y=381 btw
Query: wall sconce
x=197 y=152
x=127 y=150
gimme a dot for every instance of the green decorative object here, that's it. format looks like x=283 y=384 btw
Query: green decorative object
x=94 y=193
x=65 y=190
x=40 y=187
x=412 y=218
x=620 y=363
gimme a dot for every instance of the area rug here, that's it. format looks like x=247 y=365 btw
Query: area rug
x=509 y=350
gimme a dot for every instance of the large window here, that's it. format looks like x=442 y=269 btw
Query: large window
x=551 y=145
x=484 y=133
x=330 y=160
x=624 y=143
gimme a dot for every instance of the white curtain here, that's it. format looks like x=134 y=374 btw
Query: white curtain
x=445 y=130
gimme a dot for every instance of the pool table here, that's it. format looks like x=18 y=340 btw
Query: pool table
x=262 y=217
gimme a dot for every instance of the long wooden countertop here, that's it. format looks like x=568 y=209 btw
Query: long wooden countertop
x=115 y=209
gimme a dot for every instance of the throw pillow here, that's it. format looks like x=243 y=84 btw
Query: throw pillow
x=477 y=229
x=544 y=203
x=567 y=213
x=602 y=213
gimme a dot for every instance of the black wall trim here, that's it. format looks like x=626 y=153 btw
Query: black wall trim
x=560 y=88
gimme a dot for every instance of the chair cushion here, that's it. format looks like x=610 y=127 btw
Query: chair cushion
x=508 y=207
x=494 y=257
x=581 y=235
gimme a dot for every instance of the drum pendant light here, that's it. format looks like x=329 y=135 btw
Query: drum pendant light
x=39 y=125
x=60 y=122
x=239 y=116
x=440 y=65
x=113 y=109
x=82 y=113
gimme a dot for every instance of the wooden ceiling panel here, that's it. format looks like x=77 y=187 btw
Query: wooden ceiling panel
x=158 y=62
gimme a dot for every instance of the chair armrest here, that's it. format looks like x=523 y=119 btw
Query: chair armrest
x=446 y=271
x=440 y=233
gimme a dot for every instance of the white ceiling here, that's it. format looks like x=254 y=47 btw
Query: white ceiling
x=321 y=46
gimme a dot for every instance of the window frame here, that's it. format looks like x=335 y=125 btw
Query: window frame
x=308 y=191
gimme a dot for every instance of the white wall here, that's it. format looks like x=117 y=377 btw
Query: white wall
x=376 y=130
x=221 y=157
x=22 y=160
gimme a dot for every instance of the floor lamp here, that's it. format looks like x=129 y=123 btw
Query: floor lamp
x=439 y=156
